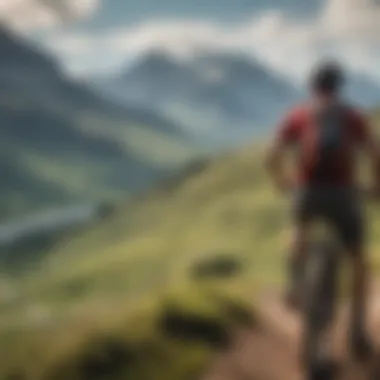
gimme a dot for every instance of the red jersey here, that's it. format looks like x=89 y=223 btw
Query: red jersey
x=300 y=128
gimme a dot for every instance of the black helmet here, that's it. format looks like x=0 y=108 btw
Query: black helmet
x=327 y=77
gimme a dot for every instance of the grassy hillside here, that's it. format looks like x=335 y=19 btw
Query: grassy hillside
x=139 y=261
x=213 y=211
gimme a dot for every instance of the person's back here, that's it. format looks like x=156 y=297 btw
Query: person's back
x=327 y=137
x=327 y=133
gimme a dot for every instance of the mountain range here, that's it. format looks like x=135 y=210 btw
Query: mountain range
x=220 y=97
x=61 y=142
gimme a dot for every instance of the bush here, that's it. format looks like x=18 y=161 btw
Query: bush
x=219 y=266
x=205 y=314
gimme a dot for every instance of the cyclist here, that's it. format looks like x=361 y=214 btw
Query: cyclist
x=327 y=132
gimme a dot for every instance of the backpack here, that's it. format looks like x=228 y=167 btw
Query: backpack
x=329 y=129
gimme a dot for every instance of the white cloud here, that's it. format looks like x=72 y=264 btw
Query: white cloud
x=26 y=15
x=347 y=29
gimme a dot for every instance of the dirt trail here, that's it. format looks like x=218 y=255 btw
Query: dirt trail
x=270 y=351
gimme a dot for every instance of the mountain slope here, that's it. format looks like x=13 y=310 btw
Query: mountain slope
x=70 y=143
x=26 y=69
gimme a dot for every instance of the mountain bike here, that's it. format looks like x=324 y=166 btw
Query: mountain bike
x=319 y=302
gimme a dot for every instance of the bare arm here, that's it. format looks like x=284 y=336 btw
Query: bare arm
x=371 y=148
x=275 y=163
x=276 y=155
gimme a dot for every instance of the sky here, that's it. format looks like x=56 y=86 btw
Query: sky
x=100 y=36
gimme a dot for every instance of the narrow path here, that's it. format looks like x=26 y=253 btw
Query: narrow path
x=270 y=352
